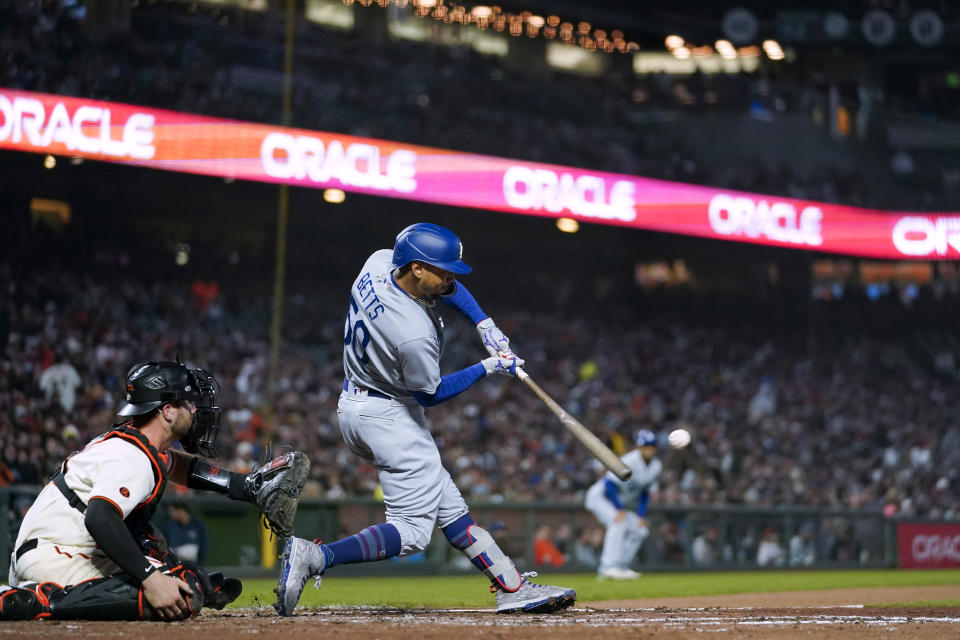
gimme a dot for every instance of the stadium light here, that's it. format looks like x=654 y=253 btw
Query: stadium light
x=182 y=254
x=773 y=50
x=673 y=42
x=726 y=50
x=334 y=196
x=49 y=161
x=568 y=225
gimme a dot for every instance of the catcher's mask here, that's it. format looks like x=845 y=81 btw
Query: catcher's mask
x=150 y=385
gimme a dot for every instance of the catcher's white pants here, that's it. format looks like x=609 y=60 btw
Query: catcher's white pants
x=623 y=539
x=63 y=564
x=395 y=438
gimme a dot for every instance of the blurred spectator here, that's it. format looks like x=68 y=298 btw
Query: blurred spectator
x=586 y=550
x=770 y=551
x=563 y=538
x=60 y=381
x=545 y=552
x=703 y=551
x=186 y=534
x=802 y=550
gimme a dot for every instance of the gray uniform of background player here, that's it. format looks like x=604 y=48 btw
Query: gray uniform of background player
x=624 y=538
x=395 y=346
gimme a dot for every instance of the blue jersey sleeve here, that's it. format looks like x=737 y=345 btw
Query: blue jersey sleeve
x=610 y=491
x=464 y=302
x=451 y=385
x=642 y=504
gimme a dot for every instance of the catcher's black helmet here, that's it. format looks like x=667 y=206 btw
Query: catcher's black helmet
x=150 y=385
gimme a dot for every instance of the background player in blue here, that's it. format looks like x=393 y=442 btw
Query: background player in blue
x=612 y=501
x=393 y=339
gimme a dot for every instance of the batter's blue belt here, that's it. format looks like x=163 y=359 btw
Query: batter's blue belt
x=370 y=392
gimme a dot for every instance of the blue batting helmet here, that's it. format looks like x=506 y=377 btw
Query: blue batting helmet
x=432 y=244
x=646 y=438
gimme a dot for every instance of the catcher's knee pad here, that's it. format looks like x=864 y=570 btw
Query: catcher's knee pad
x=117 y=597
x=487 y=556
x=218 y=591
x=210 y=589
x=23 y=603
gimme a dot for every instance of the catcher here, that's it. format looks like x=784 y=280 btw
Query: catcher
x=86 y=549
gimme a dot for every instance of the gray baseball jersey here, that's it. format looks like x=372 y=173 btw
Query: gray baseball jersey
x=392 y=341
x=643 y=479
x=392 y=344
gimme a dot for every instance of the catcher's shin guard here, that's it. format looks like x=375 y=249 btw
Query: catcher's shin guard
x=22 y=604
x=116 y=597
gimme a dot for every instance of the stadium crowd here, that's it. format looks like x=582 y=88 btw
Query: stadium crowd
x=847 y=420
x=218 y=63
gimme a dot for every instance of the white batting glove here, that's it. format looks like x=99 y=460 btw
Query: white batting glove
x=492 y=338
x=506 y=365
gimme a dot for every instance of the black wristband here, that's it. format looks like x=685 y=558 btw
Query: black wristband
x=208 y=477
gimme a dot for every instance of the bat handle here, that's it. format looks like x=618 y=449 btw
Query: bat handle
x=523 y=375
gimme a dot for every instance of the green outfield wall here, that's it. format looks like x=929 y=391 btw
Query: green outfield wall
x=684 y=537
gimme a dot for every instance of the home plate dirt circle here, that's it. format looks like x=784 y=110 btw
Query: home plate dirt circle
x=826 y=614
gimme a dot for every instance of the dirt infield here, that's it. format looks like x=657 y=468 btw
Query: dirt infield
x=833 y=614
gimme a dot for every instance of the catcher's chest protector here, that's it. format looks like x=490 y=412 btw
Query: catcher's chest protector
x=137 y=521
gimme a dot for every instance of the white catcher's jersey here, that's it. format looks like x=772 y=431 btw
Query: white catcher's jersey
x=644 y=478
x=392 y=343
x=111 y=469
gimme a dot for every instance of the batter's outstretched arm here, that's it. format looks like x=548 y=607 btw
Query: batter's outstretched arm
x=492 y=338
x=463 y=301
x=451 y=385
x=456 y=383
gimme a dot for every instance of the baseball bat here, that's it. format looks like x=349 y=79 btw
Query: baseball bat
x=600 y=451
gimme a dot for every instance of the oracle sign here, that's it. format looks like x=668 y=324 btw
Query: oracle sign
x=918 y=236
x=778 y=221
x=26 y=119
x=173 y=141
x=359 y=165
x=585 y=195
x=928 y=545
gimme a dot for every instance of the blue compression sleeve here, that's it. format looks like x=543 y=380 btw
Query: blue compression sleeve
x=451 y=385
x=642 y=504
x=465 y=303
x=610 y=490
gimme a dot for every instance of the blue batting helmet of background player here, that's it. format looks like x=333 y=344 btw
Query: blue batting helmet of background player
x=646 y=438
x=430 y=243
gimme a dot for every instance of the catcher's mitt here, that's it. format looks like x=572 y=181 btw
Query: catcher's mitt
x=275 y=488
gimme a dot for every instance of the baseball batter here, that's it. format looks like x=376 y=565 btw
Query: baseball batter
x=609 y=499
x=86 y=550
x=393 y=340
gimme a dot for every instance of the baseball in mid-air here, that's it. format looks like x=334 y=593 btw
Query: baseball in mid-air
x=679 y=438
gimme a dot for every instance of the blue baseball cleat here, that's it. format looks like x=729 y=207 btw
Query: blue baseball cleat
x=534 y=598
x=301 y=560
